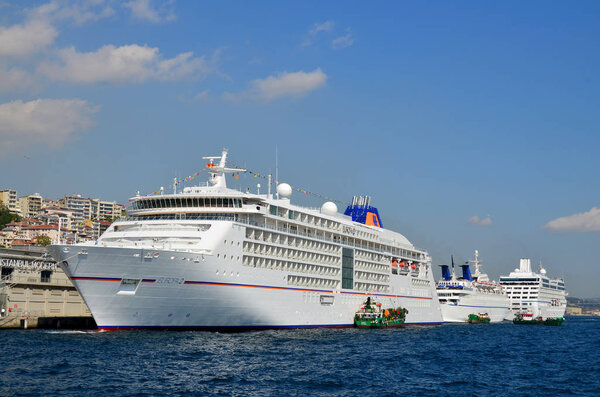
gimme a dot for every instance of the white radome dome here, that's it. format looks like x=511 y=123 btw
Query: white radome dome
x=329 y=208
x=284 y=190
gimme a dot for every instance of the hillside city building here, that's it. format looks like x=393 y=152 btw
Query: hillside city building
x=80 y=218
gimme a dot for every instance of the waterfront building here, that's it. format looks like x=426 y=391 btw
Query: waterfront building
x=34 y=292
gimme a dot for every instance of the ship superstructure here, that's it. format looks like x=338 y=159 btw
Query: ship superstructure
x=471 y=294
x=210 y=257
x=534 y=293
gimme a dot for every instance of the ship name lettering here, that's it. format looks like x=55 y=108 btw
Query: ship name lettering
x=169 y=280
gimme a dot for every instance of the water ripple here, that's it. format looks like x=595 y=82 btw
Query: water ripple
x=498 y=359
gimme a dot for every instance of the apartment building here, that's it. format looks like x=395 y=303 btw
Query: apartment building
x=31 y=205
x=8 y=197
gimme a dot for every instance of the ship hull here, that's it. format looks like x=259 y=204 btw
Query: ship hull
x=495 y=305
x=181 y=290
x=543 y=309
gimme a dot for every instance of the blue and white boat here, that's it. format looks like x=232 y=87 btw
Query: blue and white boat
x=470 y=294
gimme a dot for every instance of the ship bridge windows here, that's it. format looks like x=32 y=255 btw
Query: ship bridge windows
x=186 y=202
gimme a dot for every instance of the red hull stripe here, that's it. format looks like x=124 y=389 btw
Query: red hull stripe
x=147 y=280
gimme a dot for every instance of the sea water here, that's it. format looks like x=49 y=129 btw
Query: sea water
x=450 y=359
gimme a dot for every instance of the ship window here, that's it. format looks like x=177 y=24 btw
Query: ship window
x=347 y=268
x=128 y=286
x=213 y=202
x=273 y=210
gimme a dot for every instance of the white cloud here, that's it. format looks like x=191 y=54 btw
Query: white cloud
x=14 y=79
x=582 y=222
x=38 y=32
x=26 y=39
x=343 y=41
x=143 y=9
x=475 y=220
x=282 y=85
x=129 y=63
x=326 y=26
x=50 y=122
x=78 y=11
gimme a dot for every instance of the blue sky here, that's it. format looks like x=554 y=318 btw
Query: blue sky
x=473 y=125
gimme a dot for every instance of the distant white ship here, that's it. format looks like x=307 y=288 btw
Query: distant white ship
x=470 y=294
x=534 y=294
x=215 y=258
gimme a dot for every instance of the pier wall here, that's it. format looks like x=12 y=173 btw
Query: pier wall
x=35 y=292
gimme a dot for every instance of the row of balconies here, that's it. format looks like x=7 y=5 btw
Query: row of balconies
x=284 y=252
x=380 y=278
x=289 y=266
x=283 y=239
x=302 y=281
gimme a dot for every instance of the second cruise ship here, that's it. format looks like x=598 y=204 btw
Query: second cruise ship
x=534 y=294
x=471 y=294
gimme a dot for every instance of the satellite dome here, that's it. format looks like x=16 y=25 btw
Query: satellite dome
x=329 y=208
x=284 y=190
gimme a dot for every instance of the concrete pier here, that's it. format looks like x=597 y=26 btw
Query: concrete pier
x=35 y=292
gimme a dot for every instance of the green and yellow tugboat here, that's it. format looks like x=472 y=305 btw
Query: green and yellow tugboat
x=371 y=315
x=527 y=319
x=480 y=318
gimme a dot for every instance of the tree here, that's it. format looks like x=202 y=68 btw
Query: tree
x=43 y=240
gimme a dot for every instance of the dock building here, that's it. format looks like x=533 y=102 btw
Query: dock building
x=35 y=292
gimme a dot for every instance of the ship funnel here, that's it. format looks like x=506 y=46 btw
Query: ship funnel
x=467 y=272
x=445 y=272
x=525 y=266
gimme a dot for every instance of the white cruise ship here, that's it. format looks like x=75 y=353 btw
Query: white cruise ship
x=534 y=294
x=470 y=294
x=215 y=258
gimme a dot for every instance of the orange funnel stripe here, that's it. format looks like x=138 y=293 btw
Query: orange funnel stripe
x=372 y=219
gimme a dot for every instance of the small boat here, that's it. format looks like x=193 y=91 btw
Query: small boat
x=480 y=318
x=371 y=315
x=527 y=319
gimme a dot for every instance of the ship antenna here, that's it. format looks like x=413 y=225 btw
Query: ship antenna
x=276 y=173
x=453 y=274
